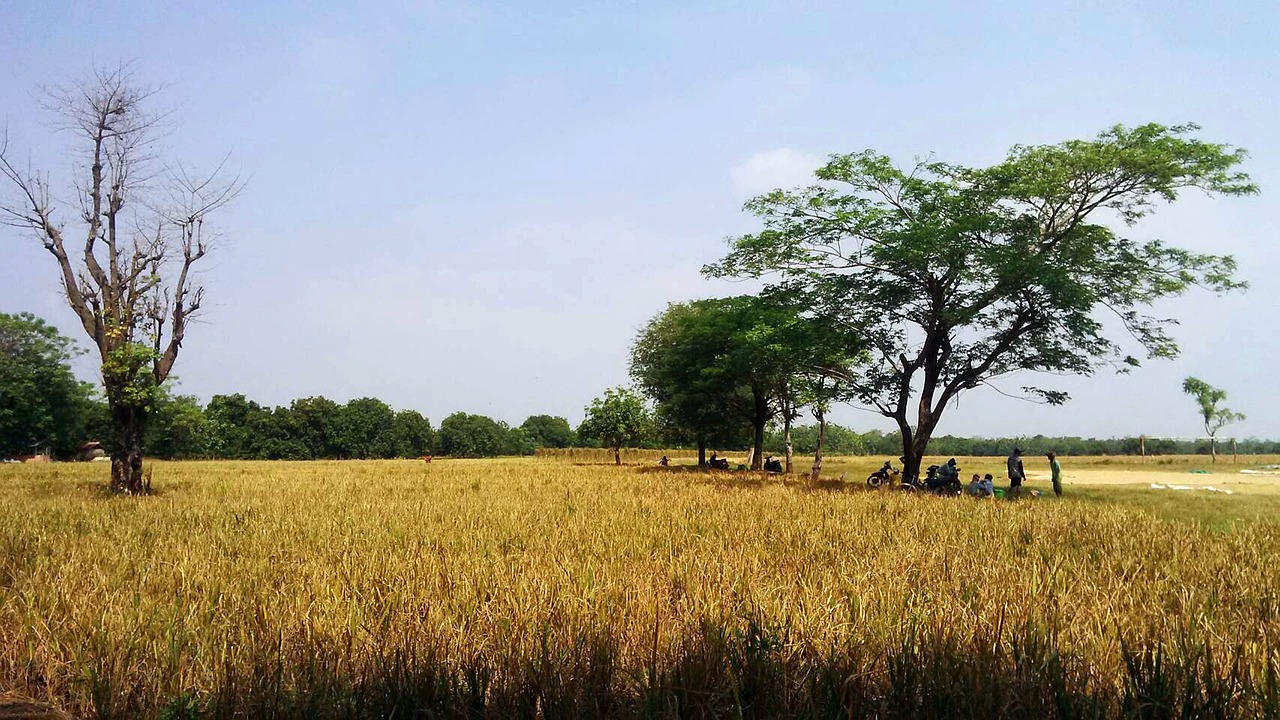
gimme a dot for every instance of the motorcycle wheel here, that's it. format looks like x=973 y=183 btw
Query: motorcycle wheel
x=874 y=481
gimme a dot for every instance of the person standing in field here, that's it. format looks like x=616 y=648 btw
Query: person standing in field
x=1057 y=474
x=1016 y=473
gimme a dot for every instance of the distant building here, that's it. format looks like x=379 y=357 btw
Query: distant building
x=91 y=450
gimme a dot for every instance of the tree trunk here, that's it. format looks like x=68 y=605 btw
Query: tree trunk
x=617 y=455
x=702 y=451
x=915 y=449
x=759 y=418
x=127 y=424
x=910 y=463
x=786 y=439
x=1213 y=448
x=822 y=440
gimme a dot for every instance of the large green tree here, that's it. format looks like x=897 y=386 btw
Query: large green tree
x=1214 y=415
x=128 y=259
x=957 y=276
x=364 y=429
x=42 y=404
x=676 y=361
x=548 y=431
x=317 y=423
x=412 y=434
x=473 y=436
x=711 y=364
x=616 y=418
x=177 y=428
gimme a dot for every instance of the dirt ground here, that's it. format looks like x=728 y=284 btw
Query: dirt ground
x=13 y=707
x=1236 y=482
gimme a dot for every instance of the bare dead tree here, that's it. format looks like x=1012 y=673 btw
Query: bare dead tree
x=132 y=286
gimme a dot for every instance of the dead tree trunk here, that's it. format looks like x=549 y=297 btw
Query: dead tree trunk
x=131 y=282
x=128 y=423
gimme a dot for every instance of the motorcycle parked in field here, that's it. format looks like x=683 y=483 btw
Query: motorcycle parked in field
x=936 y=481
x=882 y=477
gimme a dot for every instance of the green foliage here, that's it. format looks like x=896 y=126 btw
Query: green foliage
x=412 y=435
x=474 y=436
x=239 y=428
x=617 y=418
x=317 y=423
x=956 y=276
x=41 y=401
x=364 y=429
x=679 y=361
x=804 y=439
x=547 y=431
x=127 y=374
x=177 y=428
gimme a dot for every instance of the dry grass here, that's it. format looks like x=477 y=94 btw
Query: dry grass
x=543 y=588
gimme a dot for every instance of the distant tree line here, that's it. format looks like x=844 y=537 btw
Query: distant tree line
x=843 y=441
x=234 y=427
x=44 y=408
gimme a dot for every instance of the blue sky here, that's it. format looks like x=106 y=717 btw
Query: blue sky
x=475 y=206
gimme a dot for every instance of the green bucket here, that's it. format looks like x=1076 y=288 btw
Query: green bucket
x=999 y=493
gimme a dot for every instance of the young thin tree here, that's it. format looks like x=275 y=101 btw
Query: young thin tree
x=957 y=276
x=132 y=282
x=1215 y=417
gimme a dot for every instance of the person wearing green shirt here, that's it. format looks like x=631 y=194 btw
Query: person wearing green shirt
x=1057 y=474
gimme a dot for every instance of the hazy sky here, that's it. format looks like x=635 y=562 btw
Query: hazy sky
x=475 y=206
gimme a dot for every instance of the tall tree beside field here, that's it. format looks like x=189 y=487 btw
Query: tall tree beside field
x=143 y=228
x=548 y=431
x=617 y=418
x=473 y=436
x=317 y=424
x=675 y=361
x=177 y=428
x=1215 y=417
x=364 y=429
x=42 y=404
x=708 y=364
x=412 y=434
x=958 y=276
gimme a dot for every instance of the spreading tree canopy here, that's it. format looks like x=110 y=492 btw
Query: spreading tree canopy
x=957 y=275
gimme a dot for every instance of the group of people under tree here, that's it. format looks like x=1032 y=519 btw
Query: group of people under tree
x=940 y=477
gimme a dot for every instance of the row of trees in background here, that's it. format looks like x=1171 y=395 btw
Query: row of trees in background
x=44 y=407
x=234 y=427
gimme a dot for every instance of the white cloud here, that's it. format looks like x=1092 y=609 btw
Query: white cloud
x=772 y=169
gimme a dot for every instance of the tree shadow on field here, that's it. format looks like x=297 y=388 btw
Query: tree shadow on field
x=755 y=479
x=609 y=463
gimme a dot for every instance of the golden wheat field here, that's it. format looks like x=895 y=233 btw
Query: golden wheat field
x=569 y=588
